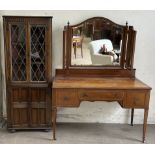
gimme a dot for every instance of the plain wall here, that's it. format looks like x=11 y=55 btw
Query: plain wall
x=103 y=112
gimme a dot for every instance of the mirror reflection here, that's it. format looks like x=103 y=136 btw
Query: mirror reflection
x=96 y=43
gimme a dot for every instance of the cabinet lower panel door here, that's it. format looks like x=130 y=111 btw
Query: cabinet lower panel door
x=39 y=108
x=28 y=108
x=18 y=107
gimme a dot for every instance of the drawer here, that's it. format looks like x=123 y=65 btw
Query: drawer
x=100 y=95
x=135 y=99
x=67 y=98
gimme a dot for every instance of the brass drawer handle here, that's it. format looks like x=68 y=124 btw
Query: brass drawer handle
x=66 y=98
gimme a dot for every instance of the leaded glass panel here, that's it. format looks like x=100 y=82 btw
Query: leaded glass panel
x=18 y=51
x=38 y=53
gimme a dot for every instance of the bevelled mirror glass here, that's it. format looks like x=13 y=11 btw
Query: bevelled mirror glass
x=96 y=42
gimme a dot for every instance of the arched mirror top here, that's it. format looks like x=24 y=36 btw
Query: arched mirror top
x=101 y=20
x=98 y=43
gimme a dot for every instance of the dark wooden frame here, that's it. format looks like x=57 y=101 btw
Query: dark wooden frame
x=126 y=64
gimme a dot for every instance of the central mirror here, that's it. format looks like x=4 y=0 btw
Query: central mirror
x=96 y=42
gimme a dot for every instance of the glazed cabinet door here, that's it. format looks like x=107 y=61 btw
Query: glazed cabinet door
x=37 y=53
x=17 y=53
x=39 y=46
x=28 y=50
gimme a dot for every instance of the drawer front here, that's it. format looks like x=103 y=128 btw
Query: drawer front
x=100 y=95
x=66 y=98
x=135 y=99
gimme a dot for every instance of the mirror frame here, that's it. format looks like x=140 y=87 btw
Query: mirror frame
x=127 y=51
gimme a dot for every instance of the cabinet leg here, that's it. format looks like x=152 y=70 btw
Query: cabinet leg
x=132 y=116
x=54 y=114
x=145 y=123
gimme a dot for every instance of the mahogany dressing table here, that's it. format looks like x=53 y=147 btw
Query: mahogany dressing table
x=115 y=81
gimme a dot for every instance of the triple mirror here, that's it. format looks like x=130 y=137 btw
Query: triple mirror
x=98 y=42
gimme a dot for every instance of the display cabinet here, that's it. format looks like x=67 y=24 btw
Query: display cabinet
x=28 y=45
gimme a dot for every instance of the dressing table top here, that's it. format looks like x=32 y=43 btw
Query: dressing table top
x=101 y=83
